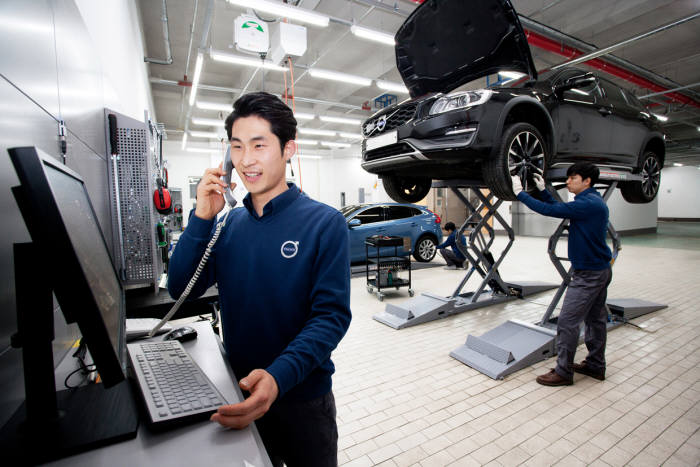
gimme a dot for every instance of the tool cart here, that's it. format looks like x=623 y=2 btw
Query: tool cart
x=388 y=271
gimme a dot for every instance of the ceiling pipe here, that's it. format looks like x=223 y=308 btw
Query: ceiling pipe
x=609 y=49
x=647 y=96
x=166 y=38
x=187 y=62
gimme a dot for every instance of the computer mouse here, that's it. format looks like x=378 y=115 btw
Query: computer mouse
x=183 y=334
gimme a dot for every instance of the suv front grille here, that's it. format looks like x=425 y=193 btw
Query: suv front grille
x=394 y=118
x=387 y=151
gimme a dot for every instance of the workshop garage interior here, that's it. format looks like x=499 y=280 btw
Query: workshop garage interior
x=350 y=232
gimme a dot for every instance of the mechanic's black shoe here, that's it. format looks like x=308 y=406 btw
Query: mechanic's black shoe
x=554 y=379
x=584 y=370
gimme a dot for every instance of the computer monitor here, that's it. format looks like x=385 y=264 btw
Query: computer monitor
x=73 y=262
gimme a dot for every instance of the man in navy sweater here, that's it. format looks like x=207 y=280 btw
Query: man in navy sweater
x=282 y=266
x=590 y=258
x=454 y=258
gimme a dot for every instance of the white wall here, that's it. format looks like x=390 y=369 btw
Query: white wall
x=115 y=28
x=680 y=193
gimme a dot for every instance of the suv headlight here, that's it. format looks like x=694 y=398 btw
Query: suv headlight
x=460 y=100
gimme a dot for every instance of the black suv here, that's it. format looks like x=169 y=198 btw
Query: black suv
x=561 y=117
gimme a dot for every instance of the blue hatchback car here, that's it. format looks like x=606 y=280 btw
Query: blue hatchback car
x=401 y=220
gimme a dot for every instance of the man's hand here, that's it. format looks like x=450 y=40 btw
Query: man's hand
x=263 y=392
x=539 y=181
x=517 y=185
x=210 y=198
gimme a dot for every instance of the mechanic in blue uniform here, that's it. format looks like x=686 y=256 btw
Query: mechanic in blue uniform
x=453 y=257
x=282 y=266
x=590 y=258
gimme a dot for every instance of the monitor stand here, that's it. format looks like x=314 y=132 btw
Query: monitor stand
x=50 y=425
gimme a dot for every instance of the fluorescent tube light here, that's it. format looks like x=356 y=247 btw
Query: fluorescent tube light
x=286 y=11
x=197 y=74
x=343 y=134
x=184 y=140
x=313 y=131
x=310 y=156
x=214 y=106
x=246 y=61
x=390 y=86
x=347 y=121
x=677 y=164
x=307 y=142
x=203 y=150
x=371 y=34
x=337 y=76
x=511 y=74
x=204 y=134
x=207 y=121
x=304 y=116
x=662 y=118
x=335 y=145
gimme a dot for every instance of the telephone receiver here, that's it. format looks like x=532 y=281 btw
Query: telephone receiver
x=228 y=168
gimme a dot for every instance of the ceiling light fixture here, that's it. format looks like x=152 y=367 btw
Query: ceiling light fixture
x=337 y=76
x=214 y=106
x=203 y=150
x=342 y=134
x=245 y=61
x=280 y=9
x=662 y=118
x=314 y=131
x=308 y=156
x=204 y=134
x=391 y=86
x=371 y=34
x=197 y=74
x=677 y=164
x=335 y=145
x=308 y=142
x=184 y=140
x=207 y=121
x=347 y=121
x=304 y=116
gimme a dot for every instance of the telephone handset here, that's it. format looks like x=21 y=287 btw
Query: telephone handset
x=228 y=168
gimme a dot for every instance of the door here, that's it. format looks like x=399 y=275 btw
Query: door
x=403 y=223
x=373 y=222
x=582 y=122
x=629 y=125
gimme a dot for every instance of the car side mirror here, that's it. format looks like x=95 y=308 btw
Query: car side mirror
x=576 y=82
x=354 y=223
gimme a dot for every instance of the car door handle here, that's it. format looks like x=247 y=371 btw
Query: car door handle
x=604 y=111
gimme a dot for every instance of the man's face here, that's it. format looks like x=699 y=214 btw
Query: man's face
x=256 y=154
x=576 y=185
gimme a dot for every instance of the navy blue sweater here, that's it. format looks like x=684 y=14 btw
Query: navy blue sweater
x=450 y=241
x=284 y=288
x=588 y=216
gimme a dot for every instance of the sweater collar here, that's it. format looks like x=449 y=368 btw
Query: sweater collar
x=587 y=192
x=276 y=204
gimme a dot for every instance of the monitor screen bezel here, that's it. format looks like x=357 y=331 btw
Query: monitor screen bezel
x=68 y=279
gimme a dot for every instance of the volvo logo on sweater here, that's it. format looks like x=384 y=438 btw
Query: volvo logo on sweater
x=289 y=249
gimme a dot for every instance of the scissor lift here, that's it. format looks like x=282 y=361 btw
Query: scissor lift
x=517 y=344
x=492 y=289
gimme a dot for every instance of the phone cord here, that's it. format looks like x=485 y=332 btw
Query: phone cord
x=195 y=276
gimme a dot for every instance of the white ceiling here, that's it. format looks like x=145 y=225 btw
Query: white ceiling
x=670 y=58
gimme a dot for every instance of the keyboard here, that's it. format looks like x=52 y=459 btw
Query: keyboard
x=175 y=390
x=140 y=327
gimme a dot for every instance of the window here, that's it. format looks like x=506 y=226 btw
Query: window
x=402 y=212
x=614 y=94
x=371 y=215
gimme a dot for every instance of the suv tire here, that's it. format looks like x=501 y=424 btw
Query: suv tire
x=522 y=150
x=406 y=189
x=425 y=249
x=646 y=190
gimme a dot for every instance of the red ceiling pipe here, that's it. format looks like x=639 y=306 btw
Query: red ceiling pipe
x=551 y=45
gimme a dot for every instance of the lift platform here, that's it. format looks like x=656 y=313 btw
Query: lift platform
x=516 y=344
x=492 y=290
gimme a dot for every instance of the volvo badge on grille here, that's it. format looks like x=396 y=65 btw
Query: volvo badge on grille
x=381 y=123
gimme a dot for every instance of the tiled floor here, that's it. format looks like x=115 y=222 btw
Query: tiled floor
x=402 y=400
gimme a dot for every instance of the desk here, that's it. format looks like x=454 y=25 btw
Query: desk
x=144 y=303
x=201 y=443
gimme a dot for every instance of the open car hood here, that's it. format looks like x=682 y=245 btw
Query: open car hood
x=446 y=43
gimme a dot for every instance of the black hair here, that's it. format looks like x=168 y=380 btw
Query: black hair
x=585 y=170
x=268 y=107
x=450 y=226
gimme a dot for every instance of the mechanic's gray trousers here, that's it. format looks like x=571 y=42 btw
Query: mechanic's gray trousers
x=584 y=302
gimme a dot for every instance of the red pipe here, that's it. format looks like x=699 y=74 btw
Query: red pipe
x=551 y=45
